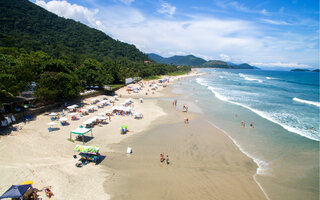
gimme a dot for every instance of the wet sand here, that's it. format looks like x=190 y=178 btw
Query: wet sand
x=204 y=163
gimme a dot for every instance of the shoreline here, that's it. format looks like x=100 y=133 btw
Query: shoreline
x=50 y=165
x=255 y=160
x=195 y=116
x=33 y=153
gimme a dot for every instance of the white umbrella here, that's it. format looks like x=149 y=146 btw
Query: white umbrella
x=52 y=123
x=108 y=111
x=102 y=114
x=87 y=122
x=63 y=119
x=102 y=118
x=83 y=110
x=53 y=114
x=73 y=114
x=90 y=107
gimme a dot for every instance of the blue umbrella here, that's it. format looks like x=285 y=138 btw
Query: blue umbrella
x=16 y=191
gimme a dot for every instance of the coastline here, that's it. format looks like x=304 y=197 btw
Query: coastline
x=47 y=157
x=119 y=183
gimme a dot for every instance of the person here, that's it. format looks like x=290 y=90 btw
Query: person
x=236 y=115
x=251 y=125
x=312 y=129
x=167 y=160
x=186 y=120
x=161 y=157
x=243 y=124
x=49 y=193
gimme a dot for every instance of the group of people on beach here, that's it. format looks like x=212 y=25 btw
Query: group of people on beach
x=243 y=124
x=162 y=159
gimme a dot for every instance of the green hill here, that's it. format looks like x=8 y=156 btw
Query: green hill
x=194 y=61
x=26 y=25
x=216 y=64
x=61 y=56
x=188 y=60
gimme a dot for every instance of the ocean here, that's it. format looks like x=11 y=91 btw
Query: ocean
x=283 y=108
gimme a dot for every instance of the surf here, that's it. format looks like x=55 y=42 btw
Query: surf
x=306 y=102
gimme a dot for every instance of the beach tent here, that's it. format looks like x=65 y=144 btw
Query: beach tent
x=81 y=131
x=86 y=149
x=16 y=191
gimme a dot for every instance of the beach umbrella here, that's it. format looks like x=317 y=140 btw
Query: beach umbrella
x=87 y=121
x=53 y=114
x=73 y=114
x=63 y=119
x=52 y=123
x=26 y=183
x=102 y=114
x=90 y=107
x=124 y=126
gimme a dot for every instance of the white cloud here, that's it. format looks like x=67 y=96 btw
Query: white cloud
x=127 y=2
x=167 y=9
x=224 y=57
x=276 y=22
x=264 y=12
x=280 y=64
x=206 y=37
x=72 y=11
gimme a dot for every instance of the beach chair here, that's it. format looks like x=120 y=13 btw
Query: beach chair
x=50 y=129
x=62 y=123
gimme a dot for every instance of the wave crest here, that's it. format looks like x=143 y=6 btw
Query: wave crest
x=314 y=103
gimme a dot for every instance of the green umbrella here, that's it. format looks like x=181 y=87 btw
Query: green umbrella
x=124 y=126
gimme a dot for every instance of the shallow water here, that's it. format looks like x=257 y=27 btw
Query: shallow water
x=288 y=161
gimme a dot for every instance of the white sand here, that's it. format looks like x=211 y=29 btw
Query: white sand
x=45 y=158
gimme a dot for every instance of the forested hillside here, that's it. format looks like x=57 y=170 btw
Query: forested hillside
x=26 y=25
x=60 y=56
x=191 y=60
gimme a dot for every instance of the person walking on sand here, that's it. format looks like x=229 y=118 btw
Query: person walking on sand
x=167 y=160
x=186 y=120
x=161 y=157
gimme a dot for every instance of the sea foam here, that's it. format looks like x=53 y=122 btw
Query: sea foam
x=265 y=115
x=250 y=79
x=314 y=103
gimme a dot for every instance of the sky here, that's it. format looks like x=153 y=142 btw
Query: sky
x=270 y=33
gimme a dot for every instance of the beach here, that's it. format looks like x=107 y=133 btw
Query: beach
x=204 y=162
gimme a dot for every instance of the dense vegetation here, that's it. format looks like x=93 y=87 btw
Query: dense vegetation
x=60 y=78
x=61 y=56
x=194 y=61
x=26 y=25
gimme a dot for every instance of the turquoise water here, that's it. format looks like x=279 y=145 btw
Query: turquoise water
x=283 y=106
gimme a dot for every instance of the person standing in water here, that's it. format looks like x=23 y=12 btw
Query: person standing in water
x=251 y=125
